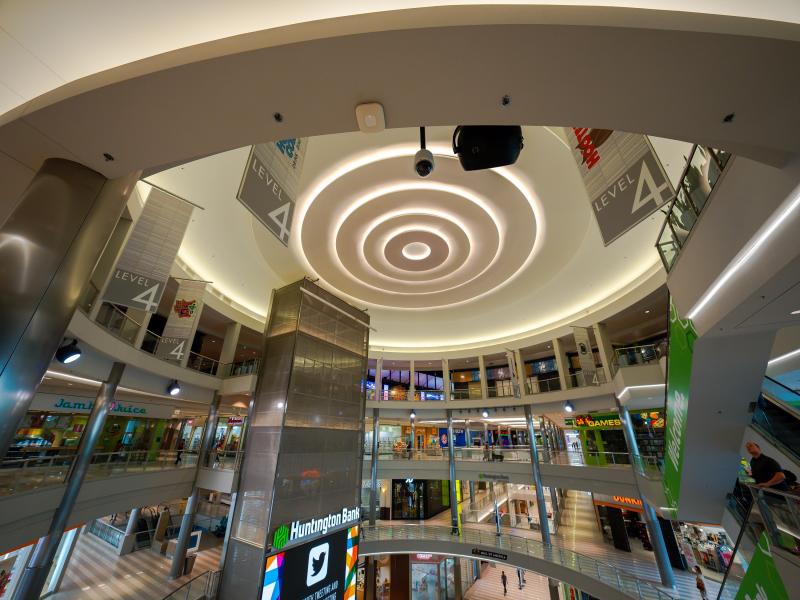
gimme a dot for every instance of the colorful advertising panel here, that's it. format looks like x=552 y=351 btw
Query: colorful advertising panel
x=182 y=321
x=323 y=569
x=459 y=434
x=682 y=336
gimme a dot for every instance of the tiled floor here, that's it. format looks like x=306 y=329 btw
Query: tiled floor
x=490 y=587
x=95 y=572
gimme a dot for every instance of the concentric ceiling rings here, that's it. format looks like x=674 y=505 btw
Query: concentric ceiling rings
x=465 y=234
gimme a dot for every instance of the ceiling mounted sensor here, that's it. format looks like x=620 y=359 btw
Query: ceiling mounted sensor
x=487 y=146
x=370 y=117
x=423 y=160
x=68 y=353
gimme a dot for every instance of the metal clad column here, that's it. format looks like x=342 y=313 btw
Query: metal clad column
x=446 y=379
x=187 y=522
x=561 y=364
x=379 y=379
x=49 y=246
x=38 y=567
x=451 y=451
x=373 y=469
x=537 y=478
x=484 y=382
x=650 y=518
x=412 y=388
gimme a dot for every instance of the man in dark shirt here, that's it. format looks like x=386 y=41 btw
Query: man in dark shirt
x=765 y=470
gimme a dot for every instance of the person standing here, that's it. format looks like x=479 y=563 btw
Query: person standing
x=765 y=470
x=181 y=445
x=700 y=582
x=519 y=578
x=504 y=580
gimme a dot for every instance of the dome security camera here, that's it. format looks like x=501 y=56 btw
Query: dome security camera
x=423 y=162
x=423 y=159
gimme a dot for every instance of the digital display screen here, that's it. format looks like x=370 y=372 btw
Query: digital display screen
x=322 y=569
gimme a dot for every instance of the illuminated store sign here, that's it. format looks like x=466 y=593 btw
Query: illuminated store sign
x=600 y=421
x=627 y=500
x=646 y=418
x=83 y=404
x=299 y=530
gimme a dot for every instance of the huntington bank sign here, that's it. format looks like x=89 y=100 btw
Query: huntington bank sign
x=299 y=530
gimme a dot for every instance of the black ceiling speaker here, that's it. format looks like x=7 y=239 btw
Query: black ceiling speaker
x=487 y=146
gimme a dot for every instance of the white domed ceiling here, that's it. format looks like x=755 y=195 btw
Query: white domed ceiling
x=449 y=262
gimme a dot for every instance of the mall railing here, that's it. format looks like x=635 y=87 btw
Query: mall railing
x=118 y=323
x=703 y=169
x=578 y=379
x=203 y=364
x=638 y=355
x=239 y=368
x=534 y=385
x=618 y=579
x=26 y=474
x=646 y=464
x=224 y=459
x=202 y=587
x=760 y=512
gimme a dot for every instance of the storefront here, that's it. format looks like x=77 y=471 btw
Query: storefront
x=707 y=546
x=228 y=436
x=620 y=519
x=417 y=499
x=56 y=422
x=432 y=577
x=600 y=435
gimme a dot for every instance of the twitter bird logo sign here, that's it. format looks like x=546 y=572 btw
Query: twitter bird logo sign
x=317 y=564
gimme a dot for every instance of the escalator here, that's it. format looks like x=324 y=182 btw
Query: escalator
x=777 y=416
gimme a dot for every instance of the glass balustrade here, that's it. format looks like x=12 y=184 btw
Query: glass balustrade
x=25 y=474
x=118 y=323
x=703 y=170
x=200 y=588
x=239 y=368
x=203 y=364
x=639 y=355
x=618 y=579
x=578 y=379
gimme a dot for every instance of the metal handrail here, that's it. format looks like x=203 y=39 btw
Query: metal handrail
x=27 y=474
x=611 y=576
x=198 y=361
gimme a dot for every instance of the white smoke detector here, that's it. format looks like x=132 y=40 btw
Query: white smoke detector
x=370 y=117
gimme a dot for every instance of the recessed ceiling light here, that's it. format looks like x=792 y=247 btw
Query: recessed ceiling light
x=647 y=312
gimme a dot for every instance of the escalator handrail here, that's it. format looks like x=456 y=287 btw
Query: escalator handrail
x=770 y=397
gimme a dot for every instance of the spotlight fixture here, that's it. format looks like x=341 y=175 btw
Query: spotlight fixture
x=568 y=406
x=68 y=353
x=413 y=415
x=487 y=146
x=485 y=413
x=174 y=388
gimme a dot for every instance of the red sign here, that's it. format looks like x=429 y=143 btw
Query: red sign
x=235 y=420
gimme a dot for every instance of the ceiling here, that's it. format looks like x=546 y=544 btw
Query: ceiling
x=49 y=43
x=509 y=253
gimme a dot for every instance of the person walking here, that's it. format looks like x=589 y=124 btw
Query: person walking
x=504 y=580
x=700 y=582
x=180 y=447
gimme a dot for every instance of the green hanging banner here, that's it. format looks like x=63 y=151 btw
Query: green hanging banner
x=762 y=579
x=682 y=336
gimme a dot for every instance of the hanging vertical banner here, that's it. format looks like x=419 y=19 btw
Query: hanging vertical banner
x=516 y=383
x=585 y=355
x=144 y=265
x=682 y=336
x=762 y=581
x=270 y=184
x=625 y=180
x=182 y=321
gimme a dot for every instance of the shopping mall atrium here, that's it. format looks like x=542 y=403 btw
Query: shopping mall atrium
x=400 y=300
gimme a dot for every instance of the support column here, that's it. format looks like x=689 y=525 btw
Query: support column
x=373 y=470
x=537 y=479
x=187 y=522
x=230 y=343
x=446 y=379
x=485 y=433
x=370 y=584
x=605 y=349
x=472 y=494
x=552 y=585
x=451 y=451
x=411 y=381
x=413 y=437
x=65 y=550
x=468 y=433
x=484 y=383
x=493 y=494
x=546 y=448
x=227 y=537
x=133 y=520
x=129 y=541
x=562 y=364
x=35 y=574
x=650 y=517
x=49 y=246
x=379 y=379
